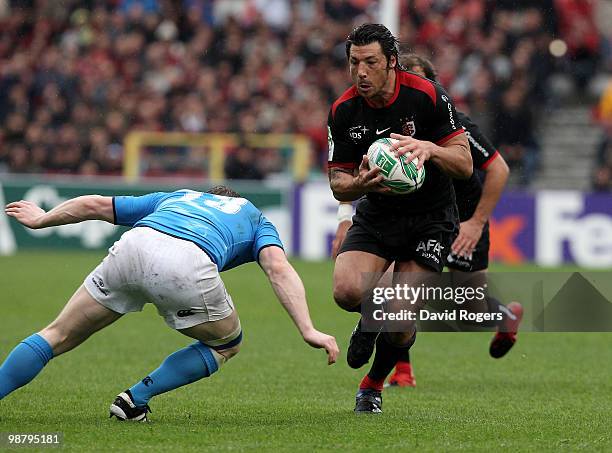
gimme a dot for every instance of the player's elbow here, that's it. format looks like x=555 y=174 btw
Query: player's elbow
x=502 y=168
x=341 y=192
x=274 y=262
x=90 y=205
x=276 y=269
x=341 y=184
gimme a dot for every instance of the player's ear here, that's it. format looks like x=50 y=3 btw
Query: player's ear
x=392 y=62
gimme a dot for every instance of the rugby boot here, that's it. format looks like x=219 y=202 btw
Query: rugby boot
x=505 y=337
x=124 y=408
x=402 y=376
x=368 y=401
x=361 y=347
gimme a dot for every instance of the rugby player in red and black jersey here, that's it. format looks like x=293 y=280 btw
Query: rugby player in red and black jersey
x=412 y=231
x=469 y=257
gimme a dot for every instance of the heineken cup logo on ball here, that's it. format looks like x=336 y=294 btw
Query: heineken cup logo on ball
x=400 y=172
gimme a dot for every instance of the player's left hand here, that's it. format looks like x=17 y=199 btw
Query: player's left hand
x=26 y=213
x=423 y=150
x=318 y=339
x=469 y=235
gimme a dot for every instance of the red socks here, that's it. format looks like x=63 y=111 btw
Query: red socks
x=367 y=383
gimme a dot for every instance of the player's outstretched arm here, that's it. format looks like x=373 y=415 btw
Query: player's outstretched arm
x=289 y=289
x=88 y=207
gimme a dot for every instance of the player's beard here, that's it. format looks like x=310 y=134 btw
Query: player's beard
x=379 y=95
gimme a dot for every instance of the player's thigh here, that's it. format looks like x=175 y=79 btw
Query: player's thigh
x=356 y=273
x=81 y=317
x=407 y=275
x=413 y=273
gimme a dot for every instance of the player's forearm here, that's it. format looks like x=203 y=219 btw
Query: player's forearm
x=343 y=186
x=88 y=207
x=290 y=292
x=454 y=158
x=495 y=181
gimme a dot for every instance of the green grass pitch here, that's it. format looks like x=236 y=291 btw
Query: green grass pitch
x=553 y=392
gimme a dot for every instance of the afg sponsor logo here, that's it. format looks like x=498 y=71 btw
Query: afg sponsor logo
x=430 y=249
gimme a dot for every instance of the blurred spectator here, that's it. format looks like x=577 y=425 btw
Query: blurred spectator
x=241 y=165
x=578 y=29
x=514 y=134
x=603 y=171
x=603 y=17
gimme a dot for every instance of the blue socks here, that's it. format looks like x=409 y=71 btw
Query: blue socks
x=180 y=368
x=183 y=367
x=23 y=363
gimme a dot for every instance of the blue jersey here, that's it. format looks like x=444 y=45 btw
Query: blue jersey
x=231 y=231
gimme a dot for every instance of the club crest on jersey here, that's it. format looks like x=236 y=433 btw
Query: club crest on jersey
x=409 y=128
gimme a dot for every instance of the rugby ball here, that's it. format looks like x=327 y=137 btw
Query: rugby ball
x=401 y=175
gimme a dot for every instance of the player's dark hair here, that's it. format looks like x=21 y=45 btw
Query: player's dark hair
x=367 y=34
x=411 y=60
x=223 y=191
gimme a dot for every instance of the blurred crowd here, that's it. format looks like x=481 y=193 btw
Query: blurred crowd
x=602 y=180
x=77 y=75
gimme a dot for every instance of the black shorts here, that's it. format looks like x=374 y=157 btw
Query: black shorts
x=477 y=261
x=395 y=236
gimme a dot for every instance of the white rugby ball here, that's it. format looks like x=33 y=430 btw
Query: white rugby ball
x=401 y=175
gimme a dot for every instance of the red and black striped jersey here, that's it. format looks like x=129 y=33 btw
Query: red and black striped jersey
x=419 y=108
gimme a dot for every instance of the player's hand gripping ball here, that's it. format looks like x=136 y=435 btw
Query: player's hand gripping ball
x=401 y=175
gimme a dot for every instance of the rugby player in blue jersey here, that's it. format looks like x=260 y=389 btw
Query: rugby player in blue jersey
x=172 y=257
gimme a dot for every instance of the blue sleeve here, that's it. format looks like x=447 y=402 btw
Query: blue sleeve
x=265 y=236
x=129 y=210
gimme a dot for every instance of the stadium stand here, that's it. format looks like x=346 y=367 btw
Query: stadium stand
x=76 y=76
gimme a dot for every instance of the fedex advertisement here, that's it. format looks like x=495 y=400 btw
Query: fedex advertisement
x=549 y=228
